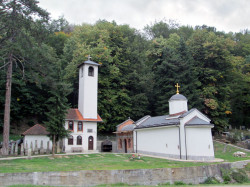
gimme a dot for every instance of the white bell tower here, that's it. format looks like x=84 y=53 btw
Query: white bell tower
x=88 y=87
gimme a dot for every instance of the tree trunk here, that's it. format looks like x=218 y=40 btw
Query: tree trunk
x=6 y=128
x=54 y=145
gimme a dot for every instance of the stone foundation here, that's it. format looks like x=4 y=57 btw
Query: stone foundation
x=194 y=175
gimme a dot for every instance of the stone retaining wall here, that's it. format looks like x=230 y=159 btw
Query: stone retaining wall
x=192 y=175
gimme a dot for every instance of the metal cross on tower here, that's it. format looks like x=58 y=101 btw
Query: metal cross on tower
x=89 y=57
x=177 y=86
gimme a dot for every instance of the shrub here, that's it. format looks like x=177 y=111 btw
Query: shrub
x=240 y=176
x=226 y=175
x=211 y=180
x=179 y=183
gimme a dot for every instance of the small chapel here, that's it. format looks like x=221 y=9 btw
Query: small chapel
x=81 y=121
x=182 y=134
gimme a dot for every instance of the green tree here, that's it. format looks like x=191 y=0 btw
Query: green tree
x=212 y=55
x=119 y=51
x=16 y=22
x=57 y=108
x=173 y=64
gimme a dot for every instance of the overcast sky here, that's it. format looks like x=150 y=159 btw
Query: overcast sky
x=225 y=15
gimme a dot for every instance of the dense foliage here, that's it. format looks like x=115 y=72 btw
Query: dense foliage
x=138 y=70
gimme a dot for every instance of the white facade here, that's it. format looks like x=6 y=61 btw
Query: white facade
x=87 y=98
x=32 y=140
x=163 y=141
x=199 y=143
x=89 y=130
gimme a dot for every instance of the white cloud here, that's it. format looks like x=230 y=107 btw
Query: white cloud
x=227 y=15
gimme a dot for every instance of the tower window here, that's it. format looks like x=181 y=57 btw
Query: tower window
x=91 y=71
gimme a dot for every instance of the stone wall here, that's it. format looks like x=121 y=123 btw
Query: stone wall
x=192 y=175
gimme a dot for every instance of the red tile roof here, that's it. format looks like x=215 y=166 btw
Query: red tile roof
x=36 y=130
x=177 y=114
x=123 y=124
x=75 y=114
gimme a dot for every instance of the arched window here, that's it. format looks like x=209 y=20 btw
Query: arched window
x=79 y=140
x=91 y=71
x=79 y=126
x=129 y=143
x=71 y=126
x=70 y=140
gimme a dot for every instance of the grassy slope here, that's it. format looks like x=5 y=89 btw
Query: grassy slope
x=88 y=162
x=228 y=154
x=104 y=162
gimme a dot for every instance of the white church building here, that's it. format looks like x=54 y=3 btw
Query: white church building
x=183 y=134
x=81 y=121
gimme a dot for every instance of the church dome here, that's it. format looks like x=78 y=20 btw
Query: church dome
x=178 y=97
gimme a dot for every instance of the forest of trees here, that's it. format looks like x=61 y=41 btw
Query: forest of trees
x=138 y=68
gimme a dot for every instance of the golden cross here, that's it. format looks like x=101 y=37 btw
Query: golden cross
x=177 y=86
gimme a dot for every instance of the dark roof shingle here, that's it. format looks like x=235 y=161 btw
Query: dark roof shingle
x=158 y=122
x=197 y=121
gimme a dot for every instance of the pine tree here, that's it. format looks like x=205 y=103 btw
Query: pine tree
x=57 y=109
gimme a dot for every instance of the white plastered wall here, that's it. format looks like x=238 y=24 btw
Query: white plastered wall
x=196 y=138
x=199 y=142
x=33 y=138
x=176 y=106
x=164 y=140
x=87 y=98
x=84 y=134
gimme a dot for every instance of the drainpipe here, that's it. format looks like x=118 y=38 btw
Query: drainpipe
x=136 y=141
x=185 y=141
x=179 y=140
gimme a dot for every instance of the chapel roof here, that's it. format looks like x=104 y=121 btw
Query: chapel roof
x=158 y=121
x=36 y=130
x=75 y=114
x=128 y=121
x=178 y=97
x=128 y=128
x=125 y=126
x=197 y=121
x=169 y=120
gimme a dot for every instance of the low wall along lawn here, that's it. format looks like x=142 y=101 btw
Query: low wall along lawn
x=194 y=175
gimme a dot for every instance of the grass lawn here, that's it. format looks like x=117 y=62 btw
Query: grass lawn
x=228 y=154
x=88 y=162
x=105 y=162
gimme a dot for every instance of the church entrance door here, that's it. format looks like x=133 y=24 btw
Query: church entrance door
x=91 y=143
x=125 y=146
